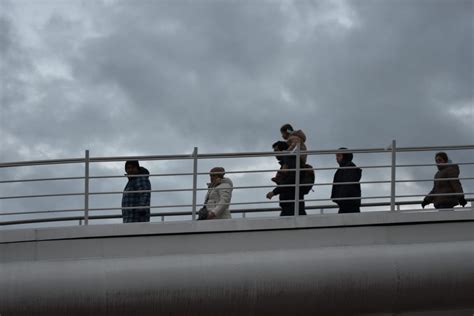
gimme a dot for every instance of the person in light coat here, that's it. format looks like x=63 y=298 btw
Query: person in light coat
x=219 y=195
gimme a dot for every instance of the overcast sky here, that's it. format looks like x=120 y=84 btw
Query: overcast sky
x=161 y=77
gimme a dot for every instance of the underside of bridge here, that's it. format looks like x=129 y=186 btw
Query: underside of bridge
x=379 y=263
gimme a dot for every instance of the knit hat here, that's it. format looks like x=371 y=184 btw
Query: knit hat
x=219 y=171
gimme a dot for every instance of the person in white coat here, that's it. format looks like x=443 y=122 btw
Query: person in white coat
x=219 y=195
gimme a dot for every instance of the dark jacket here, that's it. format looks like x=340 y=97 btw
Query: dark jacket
x=288 y=193
x=129 y=200
x=286 y=177
x=347 y=175
x=448 y=170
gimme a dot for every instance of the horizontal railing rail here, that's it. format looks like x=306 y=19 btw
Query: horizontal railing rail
x=239 y=172
x=188 y=214
x=234 y=203
x=235 y=187
x=395 y=199
x=225 y=155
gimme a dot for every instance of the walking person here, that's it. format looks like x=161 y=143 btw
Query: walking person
x=284 y=177
x=218 y=197
x=451 y=186
x=346 y=173
x=136 y=206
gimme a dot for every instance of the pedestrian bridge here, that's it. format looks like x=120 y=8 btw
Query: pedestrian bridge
x=392 y=259
x=377 y=263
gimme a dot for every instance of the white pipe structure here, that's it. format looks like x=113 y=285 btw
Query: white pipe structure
x=227 y=172
x=393 y=170
x=195 y=189
x=86 y=188
x=224 y=155
x=297 y=180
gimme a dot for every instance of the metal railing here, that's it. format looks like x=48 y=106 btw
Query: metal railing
x=87 y=160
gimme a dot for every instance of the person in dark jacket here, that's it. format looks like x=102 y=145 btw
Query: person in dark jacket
x=285 y=177
x=347 y=173
x=447 y=170
x=136 y=206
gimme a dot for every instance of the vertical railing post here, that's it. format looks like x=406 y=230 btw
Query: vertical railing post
x=195 y=172
x=393 y=175
x=86 y=189
x=297 y=180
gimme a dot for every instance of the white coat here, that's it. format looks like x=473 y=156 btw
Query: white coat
x=218 y=196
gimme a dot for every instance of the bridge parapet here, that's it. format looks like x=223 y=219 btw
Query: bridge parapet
x=371 y=263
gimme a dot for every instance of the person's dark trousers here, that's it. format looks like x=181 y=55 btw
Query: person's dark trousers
x=288 y=208
x=349 y=208
x=133 y=216
x=445 y=205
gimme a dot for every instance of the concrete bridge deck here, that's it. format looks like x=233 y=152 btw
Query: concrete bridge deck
x=380 y=263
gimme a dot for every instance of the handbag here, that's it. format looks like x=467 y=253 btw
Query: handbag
x=202 y=213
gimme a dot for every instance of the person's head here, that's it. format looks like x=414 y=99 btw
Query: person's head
x=441 y=158
x=286 y=131
x=216 y=174
x=132 y=167
x=340 y=157
x=280 y=146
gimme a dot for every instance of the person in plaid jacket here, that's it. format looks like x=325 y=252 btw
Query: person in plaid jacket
x=136 y=206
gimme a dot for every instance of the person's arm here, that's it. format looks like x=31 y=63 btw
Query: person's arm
x=335 y=189
x=288 y=176
x=275 y=191
x=429 y=198
x=125 y=197
x=143 y=184
x=284 y=176
x=358 y=175
x=457 y=188
x=225 y=195
x=292 y=142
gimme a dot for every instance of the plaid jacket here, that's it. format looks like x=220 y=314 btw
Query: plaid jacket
x=138 y=214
